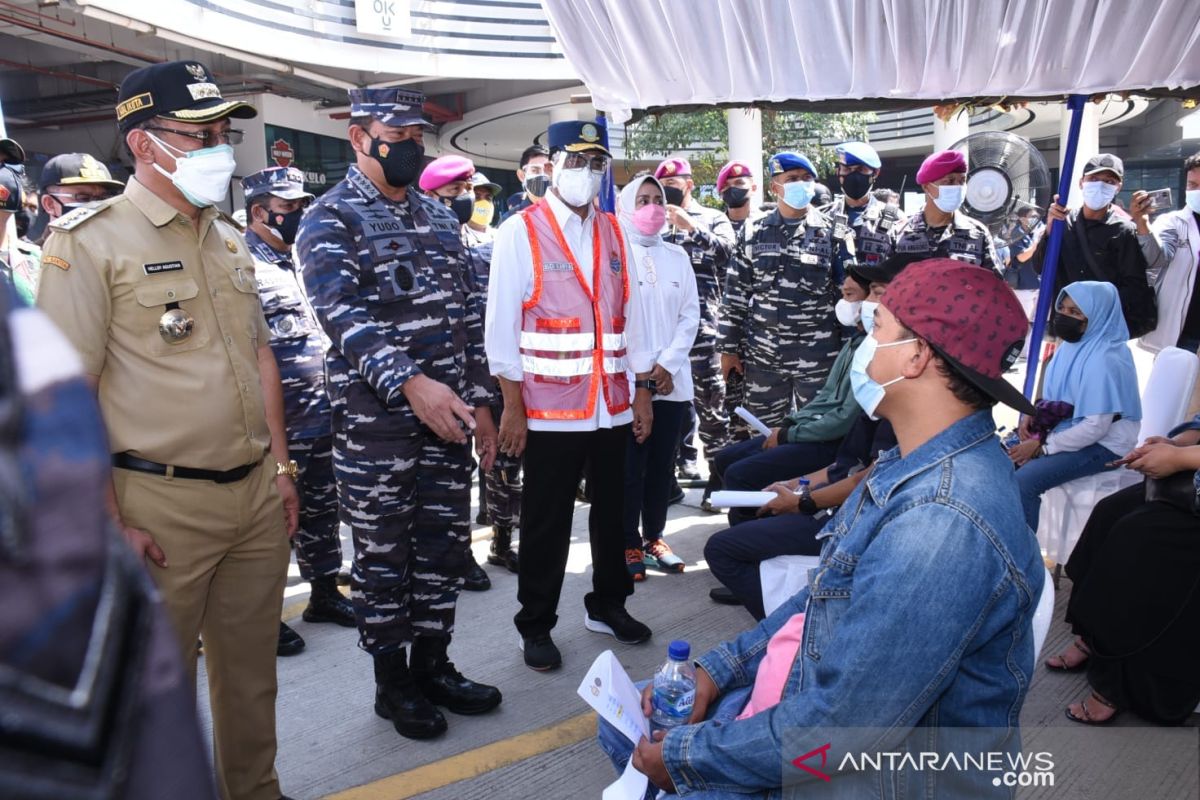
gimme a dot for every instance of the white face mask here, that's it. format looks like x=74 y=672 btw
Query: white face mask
x=868 y=315
x=1192 y=197
x=577 y=187
x=202 y=176
x=949 y=198
x=848 y=312
x=1097 y=194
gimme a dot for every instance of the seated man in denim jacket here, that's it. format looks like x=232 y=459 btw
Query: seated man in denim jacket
x=914 y=633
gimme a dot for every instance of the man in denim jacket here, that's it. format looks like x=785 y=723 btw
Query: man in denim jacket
x=918 y=618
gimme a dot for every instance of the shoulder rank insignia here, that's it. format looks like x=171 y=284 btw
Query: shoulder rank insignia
x=73 y=219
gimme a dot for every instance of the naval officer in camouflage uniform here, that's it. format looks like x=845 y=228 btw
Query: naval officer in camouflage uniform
x=707 y=237
x=941 y=229
x=155 y=289
x=862 y=225
x=780 y=298
x=408 y=383
x=275 y=200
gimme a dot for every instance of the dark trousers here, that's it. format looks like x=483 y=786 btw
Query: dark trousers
x=649 y=473
x=745 y=466
x=734 y=554
x=554 y=463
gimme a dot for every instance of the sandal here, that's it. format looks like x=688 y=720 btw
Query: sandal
x=659 y=556
x=1087 y=718
x=1063 y=665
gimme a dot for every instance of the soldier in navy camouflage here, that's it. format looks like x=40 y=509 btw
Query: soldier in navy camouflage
x=408 y=385
x=708 y=238
x=780 y=298
x=451 y=180
x=862 y=225
x=941 y=229
x=275 y=201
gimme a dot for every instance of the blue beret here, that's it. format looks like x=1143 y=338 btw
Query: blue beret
x=286 y=183
x=852 y=153
x=782 y=162
x=575 y=137
x=393 y=107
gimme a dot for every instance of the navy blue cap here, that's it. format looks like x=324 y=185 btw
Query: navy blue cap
x=286 y=183
x=11 y=193
x=575 y=137
x=861 y=153
x=782 y=162
x=179 y=90
x=393 y=107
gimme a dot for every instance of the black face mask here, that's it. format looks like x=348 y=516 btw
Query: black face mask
x=462 y=206
x=401 y=161
x=1067 y=328
x=735 y=196
x=536 y=186
x=673 y=195
x=285 y=225
x=23 y=219
x=856 y=185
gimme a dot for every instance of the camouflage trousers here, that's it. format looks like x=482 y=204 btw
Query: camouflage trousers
x=503 y=495
x=708 y=416
x=735 y=395
x=407 y=502
x=772 y=395
x=318 y=547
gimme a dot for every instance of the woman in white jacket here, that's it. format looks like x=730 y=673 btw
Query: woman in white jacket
x=671 y=314
x=1172 y=249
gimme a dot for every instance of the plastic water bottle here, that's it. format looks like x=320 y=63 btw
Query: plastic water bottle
x=674 y=689
x=805 y=485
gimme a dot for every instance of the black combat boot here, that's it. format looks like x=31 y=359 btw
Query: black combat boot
x=475 y=579
x=327 y=604
x=501 y=553
x=438 y=680
x=398 y=699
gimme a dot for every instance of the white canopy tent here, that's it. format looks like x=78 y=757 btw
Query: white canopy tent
x=839 y=55
x=649 y=54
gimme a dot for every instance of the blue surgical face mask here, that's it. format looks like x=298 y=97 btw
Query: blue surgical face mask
x=1192 y=198
x=799 y=194
x=949 y=198
x=868 y=315
x=1097 y=194
x=868 y=391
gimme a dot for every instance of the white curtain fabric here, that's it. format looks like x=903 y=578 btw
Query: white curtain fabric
x=637 y=54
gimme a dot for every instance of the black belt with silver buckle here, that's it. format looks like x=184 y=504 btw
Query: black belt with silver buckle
x=126 y=461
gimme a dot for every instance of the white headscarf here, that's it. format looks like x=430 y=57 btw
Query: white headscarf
x=627 y=205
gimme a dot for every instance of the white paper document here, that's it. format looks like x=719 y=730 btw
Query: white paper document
x=729 y=499
x=608 y=689
x=753 y=421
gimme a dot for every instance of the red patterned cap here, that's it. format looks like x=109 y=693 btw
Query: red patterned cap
x=968 y=316
x=734 y=169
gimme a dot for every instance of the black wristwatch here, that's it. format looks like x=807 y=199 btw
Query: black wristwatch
x=646 y=384
x=807 y=505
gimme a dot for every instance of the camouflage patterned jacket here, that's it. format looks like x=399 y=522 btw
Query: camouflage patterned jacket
x=391 y=286
x=297 y=341
x=868 y=239
x=779 y=296
x=709 y=247
x=965 y=239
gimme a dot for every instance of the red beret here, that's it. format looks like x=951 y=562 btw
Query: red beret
x=939 y=165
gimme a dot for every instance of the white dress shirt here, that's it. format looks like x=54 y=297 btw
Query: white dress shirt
x=510 y=284
x=670 y=310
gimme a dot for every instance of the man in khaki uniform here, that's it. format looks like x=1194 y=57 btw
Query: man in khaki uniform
x=157 y=292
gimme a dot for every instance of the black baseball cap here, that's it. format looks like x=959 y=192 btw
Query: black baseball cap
x=1104 y=162
x=883 y=271
x=11 y=193
x=11 y=152
x=178 y=90
x=73 y=169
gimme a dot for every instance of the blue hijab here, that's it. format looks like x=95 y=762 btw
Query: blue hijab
x=1095 y=374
